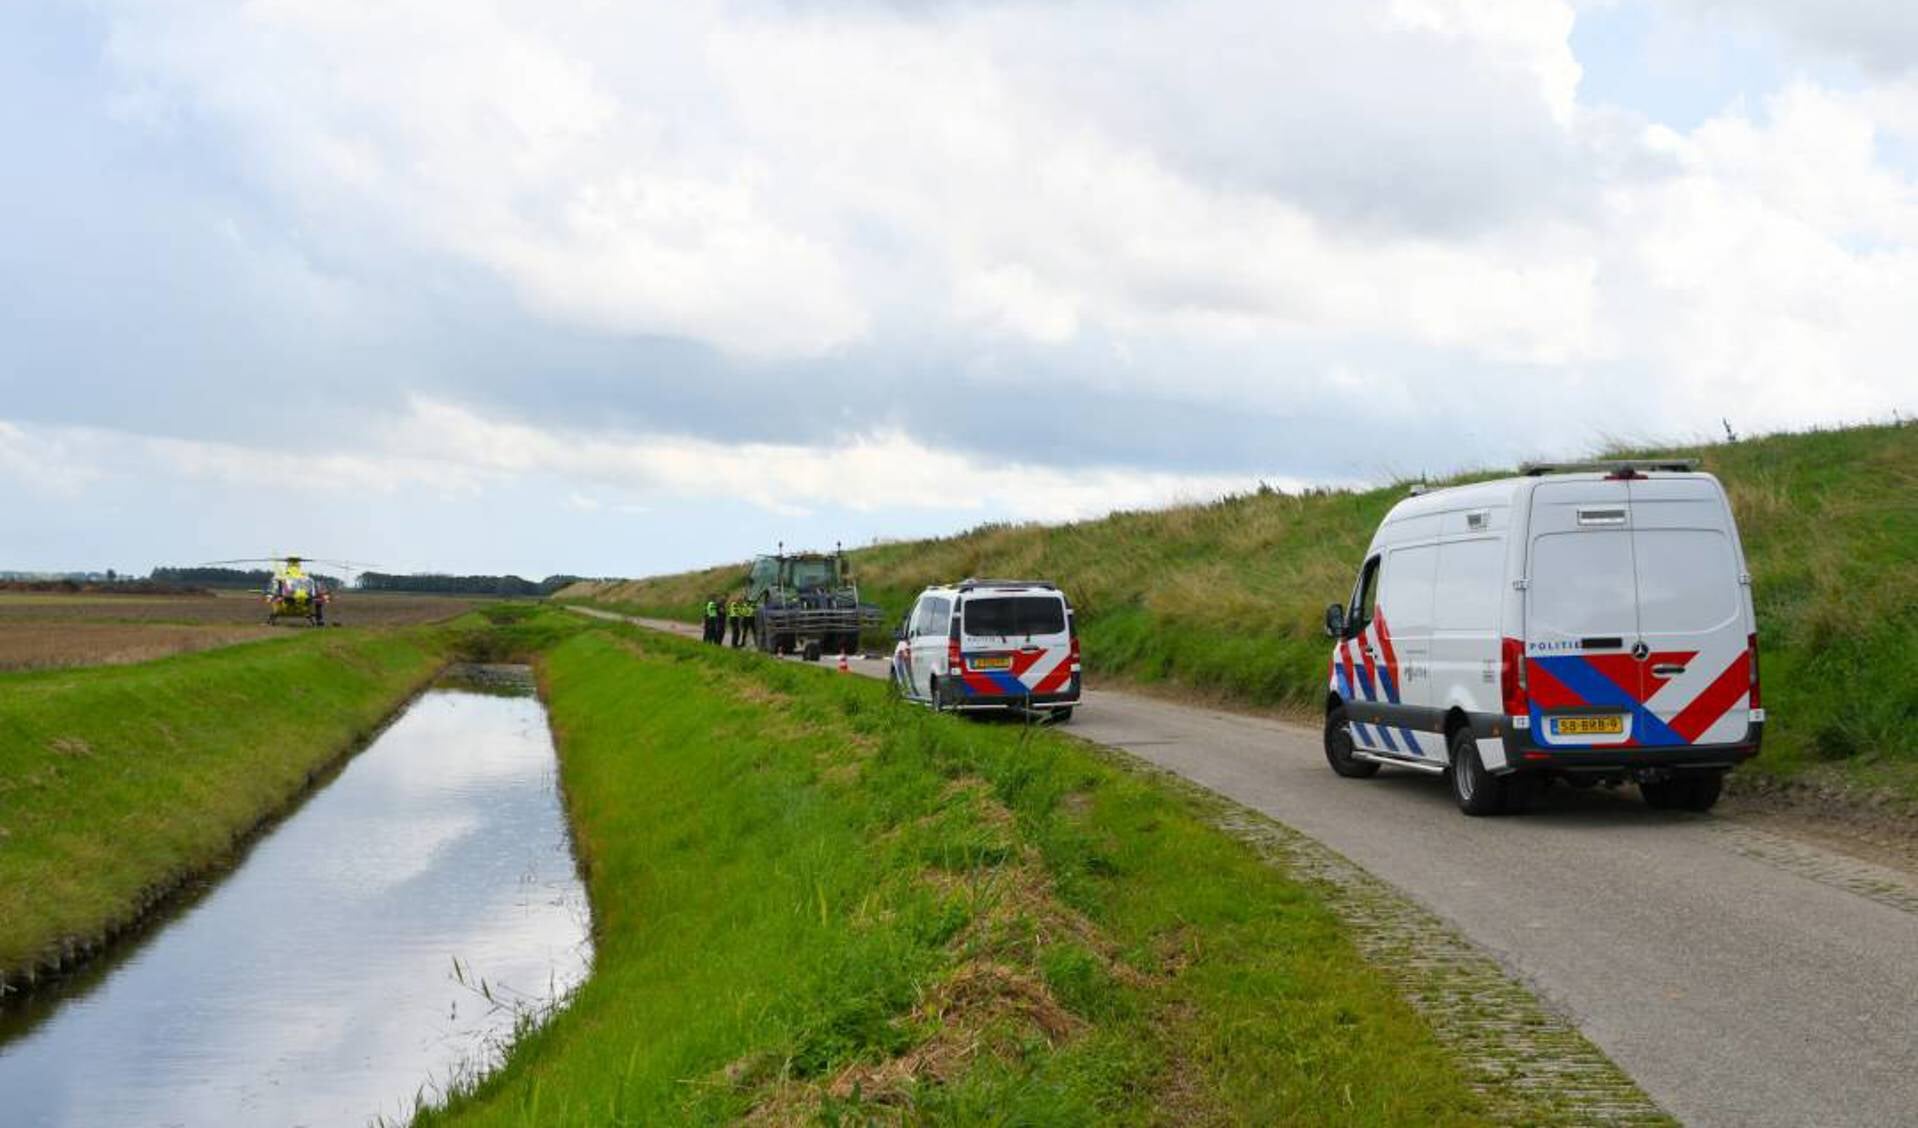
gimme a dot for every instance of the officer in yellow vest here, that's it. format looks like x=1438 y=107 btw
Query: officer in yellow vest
x=736 y=617
x=714 y=629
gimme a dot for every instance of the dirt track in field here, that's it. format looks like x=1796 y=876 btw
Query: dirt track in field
x=40 y=646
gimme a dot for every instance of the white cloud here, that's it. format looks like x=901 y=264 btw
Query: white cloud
x=489 y=131
x=1879 y=35
x=759 y=183
x=442 y=450
x=1772 y=277
x=50 y=462
x=883 y=470
x=1392 y=210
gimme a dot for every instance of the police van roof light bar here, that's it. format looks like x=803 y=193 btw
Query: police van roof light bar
x=970 y=583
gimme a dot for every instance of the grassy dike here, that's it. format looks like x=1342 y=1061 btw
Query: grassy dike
x=119 y=783
x=814 y=904
x=1226 y=599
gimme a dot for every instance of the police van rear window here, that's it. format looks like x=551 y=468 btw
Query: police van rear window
x=1015 y=615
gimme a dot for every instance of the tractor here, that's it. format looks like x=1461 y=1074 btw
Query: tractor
x=807 y=604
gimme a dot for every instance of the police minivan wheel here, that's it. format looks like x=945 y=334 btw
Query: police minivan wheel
x=1061 y=716
x=1339 y=748
x=1477 y=791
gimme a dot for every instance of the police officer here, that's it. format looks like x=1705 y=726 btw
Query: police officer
x=736 y=616
x=713 y=628
x=750 y=619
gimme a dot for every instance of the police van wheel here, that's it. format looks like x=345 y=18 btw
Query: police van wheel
x=1339 y=748
x=1061 y=716
x=1697 y=791
x=1477 y=791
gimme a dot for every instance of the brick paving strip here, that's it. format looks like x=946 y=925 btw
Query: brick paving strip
x=1882 y=884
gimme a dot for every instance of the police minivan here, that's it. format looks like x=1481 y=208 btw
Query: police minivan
x=1590 y=623
x=990 y=645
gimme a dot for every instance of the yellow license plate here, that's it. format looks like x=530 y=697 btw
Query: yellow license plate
x=993 y=662
x=1588 y=726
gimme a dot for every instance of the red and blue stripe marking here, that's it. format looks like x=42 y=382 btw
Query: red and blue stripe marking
x=1010 y=682
x=1620 y=682
x=1370 y=678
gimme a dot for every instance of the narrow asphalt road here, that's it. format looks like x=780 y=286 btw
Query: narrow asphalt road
x=1742 y=978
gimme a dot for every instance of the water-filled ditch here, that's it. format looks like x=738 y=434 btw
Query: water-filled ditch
x=378 y=944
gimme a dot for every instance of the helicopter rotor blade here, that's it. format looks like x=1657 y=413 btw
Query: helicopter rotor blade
x=301 y=557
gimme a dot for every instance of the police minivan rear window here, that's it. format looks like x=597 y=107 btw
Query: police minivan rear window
x=1015 y=615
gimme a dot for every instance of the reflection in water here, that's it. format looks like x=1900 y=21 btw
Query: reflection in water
x=333 y=976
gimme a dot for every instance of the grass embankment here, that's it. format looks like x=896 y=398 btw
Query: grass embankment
x=811 y=902
x=117 y=784
x=1226 y=599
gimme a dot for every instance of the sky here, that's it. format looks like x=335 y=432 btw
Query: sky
x=622 y=288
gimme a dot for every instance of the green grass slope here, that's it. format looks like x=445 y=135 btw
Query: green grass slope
x=1226 y=599
x=117 y=783
x=813 y=904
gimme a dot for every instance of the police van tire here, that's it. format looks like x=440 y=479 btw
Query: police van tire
x=1338 y=748
x=1062 y=716
x=1477 y=791
x=1522 y=790
x=1695 y=791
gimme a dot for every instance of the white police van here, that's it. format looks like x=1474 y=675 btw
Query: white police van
x=990 y=645
x=1590 y=623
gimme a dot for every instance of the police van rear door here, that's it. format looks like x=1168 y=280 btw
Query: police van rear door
x=1016 y=644
x=1581 y=616
x=1693 y=613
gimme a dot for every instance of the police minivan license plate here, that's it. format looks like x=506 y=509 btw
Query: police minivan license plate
x=992 y=662
x=1588 y=726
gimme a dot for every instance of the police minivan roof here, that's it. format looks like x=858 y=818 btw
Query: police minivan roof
x=972 y=584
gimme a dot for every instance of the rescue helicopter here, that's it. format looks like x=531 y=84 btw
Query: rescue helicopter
x=294 y=594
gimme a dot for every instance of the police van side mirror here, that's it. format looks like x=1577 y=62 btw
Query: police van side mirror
x=1335 y=620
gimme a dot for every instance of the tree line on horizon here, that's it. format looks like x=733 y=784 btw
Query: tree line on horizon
x=439 y=583
x=417 y=582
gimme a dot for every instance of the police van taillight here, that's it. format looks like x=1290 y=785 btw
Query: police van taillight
x=1511 y=678
x=1072 y=626
x=955 y=664
x=1751 y=649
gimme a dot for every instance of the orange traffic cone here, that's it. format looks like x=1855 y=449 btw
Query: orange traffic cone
x=844 y=667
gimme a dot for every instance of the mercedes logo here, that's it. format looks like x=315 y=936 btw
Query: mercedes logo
x=1640 y=651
